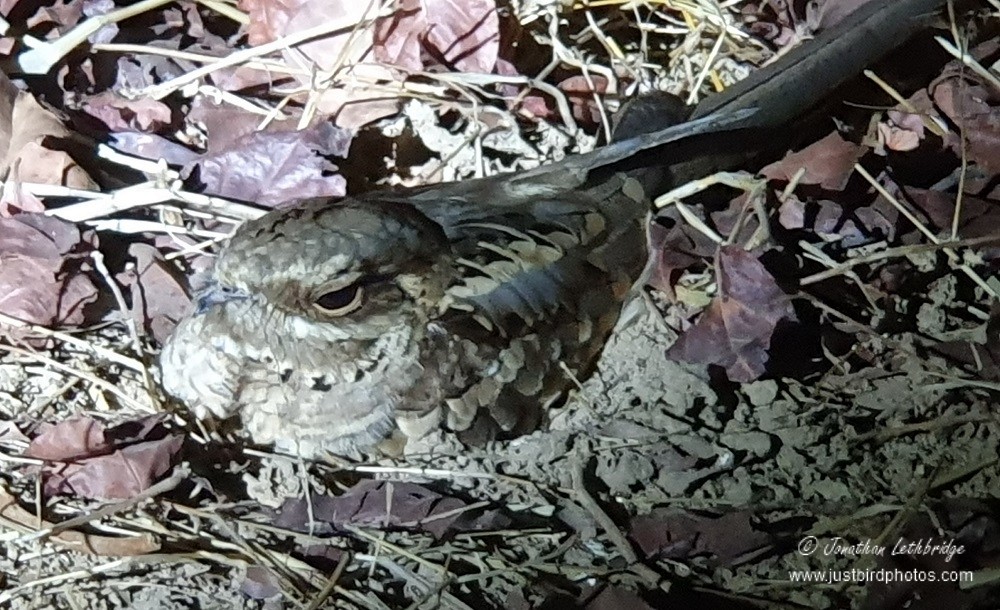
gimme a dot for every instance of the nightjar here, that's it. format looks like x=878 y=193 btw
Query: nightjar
x=328 y=325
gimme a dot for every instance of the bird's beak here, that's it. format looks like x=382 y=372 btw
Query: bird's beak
x=214 y=294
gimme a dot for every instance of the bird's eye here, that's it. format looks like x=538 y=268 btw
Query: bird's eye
x=340 y=302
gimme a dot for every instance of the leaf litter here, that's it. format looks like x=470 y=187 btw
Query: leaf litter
x=814 y=355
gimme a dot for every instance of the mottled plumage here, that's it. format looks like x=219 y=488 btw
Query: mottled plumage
x=333 y=322
x=330 y=324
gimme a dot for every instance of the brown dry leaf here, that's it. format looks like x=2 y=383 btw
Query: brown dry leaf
x=975 y=107
x=225 y=123
x=735 y=331
x=30 y=124
x=260 y=583
x=123 y=474
x=8 y=97
x=268 y=18
x=41 y=165
x=42 y=278
x=354 y=106
x=674 y=250
x=978 y=218
x=11 y=433
x=412 y=506
x=77 y=437
x=828 y=219
x=89 y=544
x=730 y=538
x=828 y=162
x=461 y=36
x=276 y=168
x=64 y=15
x=88 y=460
x=902 y=131
x=122 y=114
x=160 y=294
x=584 y=94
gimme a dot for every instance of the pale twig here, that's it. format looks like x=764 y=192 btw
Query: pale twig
x=970 y=62
x=331 y=583
x=707 y=67
x=929 y=123
x=226 y=9
x=242 y=56
x=743 y=181
x=129 y=320
x=602 y=518
x=180 y=474
x=897 y=252
x=146 y=194
x=63 y=577
x=955 y=258
x=698 y=223
x=439 y=473
x=880 y=436
x=43 y=55
x=263 y=64
x=395 y=549
x=811 y=251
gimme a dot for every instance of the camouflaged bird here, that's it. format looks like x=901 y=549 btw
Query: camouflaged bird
x=329 y=325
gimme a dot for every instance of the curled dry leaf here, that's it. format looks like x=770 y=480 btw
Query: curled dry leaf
x=729 y=538
x=24 y=158
x=348 y=49
x=387 y=504
x=160 y=294
x=85 y=459
x=459 y=35
x=276 y=168
x=44 y=279
x=268 y=18
x=122 y=114
x=902 y=132
x=828 y=163
x=260 y=583
x=12 y=515
x=735 y=331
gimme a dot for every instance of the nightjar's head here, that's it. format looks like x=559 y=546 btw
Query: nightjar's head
x=352 y=268
x=311 y=327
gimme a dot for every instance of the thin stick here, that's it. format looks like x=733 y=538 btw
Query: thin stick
x=103 y=352
x=164 y=89
x=180 y=474
x=955 y=258
x=899 y=251
x=97 y=381
x=130 y=324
